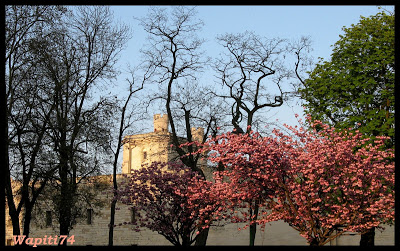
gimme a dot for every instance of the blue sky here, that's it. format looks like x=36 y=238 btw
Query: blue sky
x=322 y=23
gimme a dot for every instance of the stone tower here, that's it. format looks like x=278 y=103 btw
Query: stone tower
x=160 y=123
x=145 y=148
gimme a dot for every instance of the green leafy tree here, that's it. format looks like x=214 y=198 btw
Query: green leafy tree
x=356 y=87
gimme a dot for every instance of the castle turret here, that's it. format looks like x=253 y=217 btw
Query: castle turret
x=160 y=123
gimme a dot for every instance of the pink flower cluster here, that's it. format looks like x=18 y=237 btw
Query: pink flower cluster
x=318 y=181
x=170 y=199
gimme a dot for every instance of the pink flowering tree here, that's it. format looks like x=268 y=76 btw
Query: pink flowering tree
x=321 y=182
x=252 y=168
x=170 y=199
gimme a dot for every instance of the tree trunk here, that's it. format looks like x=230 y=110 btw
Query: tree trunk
x=65 y=202
x=65 y=211
x=314 y=242
x=112 y=221
x=27 y=218
x=253 y=230
x=368 y=238
x=253 y=226
x=112 y=212
x=4 y=149
x=15 y=222
x=201 y=239
x=12 y=211
x=115 y=186
x=186 y=238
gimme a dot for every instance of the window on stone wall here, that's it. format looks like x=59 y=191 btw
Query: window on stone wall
x=48 y=218
x=89 y=218
x=144 y=155
x=133 y=214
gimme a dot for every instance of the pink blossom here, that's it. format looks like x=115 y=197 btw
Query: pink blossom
x=314 y=180
x=171 y=199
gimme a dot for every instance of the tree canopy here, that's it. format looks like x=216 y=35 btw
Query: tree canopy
x=321 y=182
x=355 y=88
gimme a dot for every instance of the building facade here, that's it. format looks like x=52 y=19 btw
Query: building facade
x=142 y=149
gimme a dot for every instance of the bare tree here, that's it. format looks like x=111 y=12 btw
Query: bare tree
x=175 y=57
x=252 y=69
x=255 y=73
x=125 y=121
x=75 y=57
x=28 y=109
x=174 y=54
x=303 y=63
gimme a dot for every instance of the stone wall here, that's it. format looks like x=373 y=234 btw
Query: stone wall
x=96 y=233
